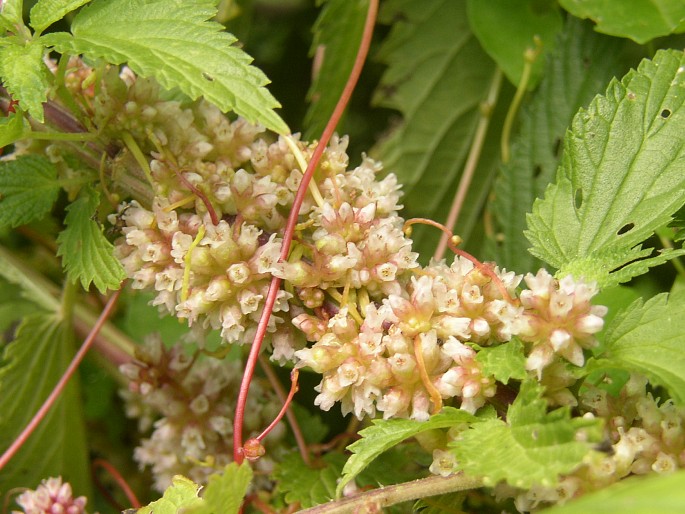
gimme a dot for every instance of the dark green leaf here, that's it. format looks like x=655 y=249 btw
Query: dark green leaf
x=173 y=42
x=507 y=29
x=649 y=338
x=337 y=34
x=384 y=434
x=640 y=20
x=532 y=447
x=434 y=81
x=580 y=66
x=35 y=361
x=25 y=76
x=622 y=176
x=305 y=485
x=28 y=189
x=86 y=254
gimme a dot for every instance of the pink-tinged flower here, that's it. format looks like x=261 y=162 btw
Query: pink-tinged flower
x=51 y=497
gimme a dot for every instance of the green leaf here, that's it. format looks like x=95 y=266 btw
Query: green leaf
x=650 y=338
x=308 y=486
x=11 y=128
x=441 y=504
x=225 y=491
x=580 y=66
x=28 y=189
x=504 y=362
x=433 y=82
x=35 y=361
x=172 y=41
x=11 y=12
x=622 y=176
x=32 y=287
x=47 y=12
x=12 y=307
x=639 y=20
x=25 y=76
x=337 y=33
x=181 y=494
x=532 y=447
x=664 y=494
x=384 y=434
x=86 y=254
x=509 y=28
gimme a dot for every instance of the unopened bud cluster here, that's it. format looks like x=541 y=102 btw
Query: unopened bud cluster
x=195 y=397
x=52 y=496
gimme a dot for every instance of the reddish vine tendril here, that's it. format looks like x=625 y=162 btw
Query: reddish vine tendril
x=121 y=482
x=238 y=453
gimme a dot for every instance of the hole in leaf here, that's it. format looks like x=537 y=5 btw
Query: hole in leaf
x=556 y=149
x=537 y=171
x=625 y=228
x=665 y=114
x=578 y=198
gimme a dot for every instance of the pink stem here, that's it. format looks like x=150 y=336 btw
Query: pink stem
x=52 y=398
x=294 y=375
x=238 y=454
x=121 y=482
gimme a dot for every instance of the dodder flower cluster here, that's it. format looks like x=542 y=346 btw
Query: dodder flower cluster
x=51 y=497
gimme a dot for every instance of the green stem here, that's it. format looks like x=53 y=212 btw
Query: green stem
x=138 y=155
x=375 y=500
x=67 y=303
x=62 y=136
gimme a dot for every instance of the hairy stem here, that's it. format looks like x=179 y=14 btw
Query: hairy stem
x=238 y=453
x=375 y=500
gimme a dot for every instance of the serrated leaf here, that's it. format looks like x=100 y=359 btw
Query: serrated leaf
x=441 y=504
x=433 y=82
x=532 y=447
x=225 y=491
x=13 y=307
x=181 y=494
x=86 y=254
x=35 y=361
x=47 y=12
x=11 y=12
x=579 y=67
x=622 y=175
x=660 y=493
x=308 y=486
x=508 y=28
x=640 y=20
x=25 y=76
x=28 y=189
x=649 y=338
x=504 y=362
x=33 y=289
x=172 y=41
x=384 y=434
x=338 y=32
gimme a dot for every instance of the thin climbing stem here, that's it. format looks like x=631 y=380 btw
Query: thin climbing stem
x=486 y=110
x=376 y=499
x=238 y=452
x=294 y=375
x=121 y=482
x=61 y=384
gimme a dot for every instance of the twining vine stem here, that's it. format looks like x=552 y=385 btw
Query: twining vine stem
x=238 y=453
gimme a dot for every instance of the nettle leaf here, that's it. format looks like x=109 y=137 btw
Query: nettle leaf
x=47 y=12
x=433 y=82
x=579 y=67
x=35 y=361
x=86 y=254
x=338 y=33
x=532 y=447
x=28 y=189
x=649 y=338
x=173 y=41
x=622 y=176
x=181 y=494
x=11 y=128
x=224 y=492
x=660 y=493
x=384 y=434
x=308 y=486
x=31 y=289
x=640 y=20
x=508 y=28
x=25 y=76
x=504 y=362
x=11 y=12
